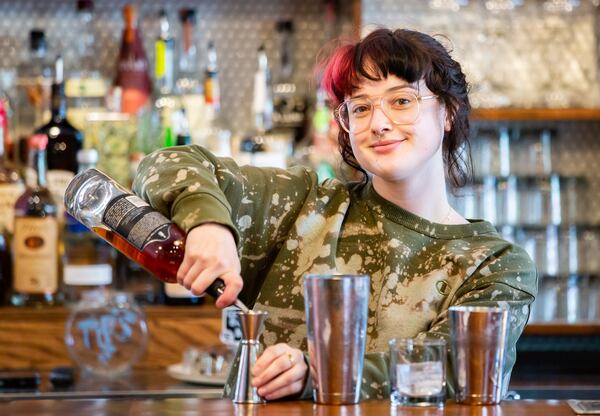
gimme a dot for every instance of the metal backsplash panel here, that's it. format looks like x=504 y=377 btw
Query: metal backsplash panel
x=238 y=28
x=525 y=57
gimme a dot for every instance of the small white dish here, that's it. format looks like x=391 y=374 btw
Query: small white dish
x=178 y=372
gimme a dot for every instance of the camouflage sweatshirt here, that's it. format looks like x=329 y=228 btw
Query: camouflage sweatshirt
x=286 y=225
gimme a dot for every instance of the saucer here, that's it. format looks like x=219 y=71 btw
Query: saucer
x=178 y=372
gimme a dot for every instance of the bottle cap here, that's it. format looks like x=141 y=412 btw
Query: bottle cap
x=38 y=142
x=187 y=15
x=37 y=40
x=85 y=5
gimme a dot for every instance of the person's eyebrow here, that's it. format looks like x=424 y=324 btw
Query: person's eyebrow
x=394 y=88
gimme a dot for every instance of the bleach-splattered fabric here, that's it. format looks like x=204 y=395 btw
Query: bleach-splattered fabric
x=287 y=224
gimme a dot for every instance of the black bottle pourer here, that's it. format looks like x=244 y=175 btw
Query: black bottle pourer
x=217 y=288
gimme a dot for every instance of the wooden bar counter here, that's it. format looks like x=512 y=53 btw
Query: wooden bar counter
x=221 y=407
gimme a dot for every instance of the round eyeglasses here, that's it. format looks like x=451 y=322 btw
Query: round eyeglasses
x=401 y=107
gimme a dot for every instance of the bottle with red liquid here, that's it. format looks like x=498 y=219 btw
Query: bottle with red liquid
x=127 y=222
x=131 y=226
x=132 y=66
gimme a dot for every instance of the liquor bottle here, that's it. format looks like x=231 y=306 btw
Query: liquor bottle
x=212 y=91
x=188 y=86
x=35 y=261
x=85 y=87
x=64 y=141
x=262 y=103
x=130 y=225
x=88 y=261
x=132 y=67
x=127 y=222
x=11 y=185
x=34 y=81
x=5 y=268
x=215 y=134
x=166 y=103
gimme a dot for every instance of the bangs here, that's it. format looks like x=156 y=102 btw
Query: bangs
x=377 y=56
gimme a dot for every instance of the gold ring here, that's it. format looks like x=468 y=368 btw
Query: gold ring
x=291 y=358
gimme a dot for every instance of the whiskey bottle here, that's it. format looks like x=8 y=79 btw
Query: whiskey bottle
x=35 y=277
x=127 y=222
x=130 y=225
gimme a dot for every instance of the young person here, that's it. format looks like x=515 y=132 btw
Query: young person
x=403 y=109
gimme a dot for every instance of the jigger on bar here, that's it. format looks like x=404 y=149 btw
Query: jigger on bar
x=252 y=326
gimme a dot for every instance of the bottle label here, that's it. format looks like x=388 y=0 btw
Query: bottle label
x=36 y=255
x=136 y=221
x=58 y=180
x=9 y=193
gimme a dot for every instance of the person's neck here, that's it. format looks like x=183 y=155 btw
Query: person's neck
x=423 y=194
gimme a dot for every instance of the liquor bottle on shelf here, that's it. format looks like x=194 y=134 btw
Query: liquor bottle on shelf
x=132 y=67
x=35 y=261
x=262 y=103
x=212 y=91
x=11 y=185
x=64 y=141
x=165 y=104
x=34 y=81
x=88 y=261
x=85 y=87
x=217 y=135
x=188 y=86
x=5 y=268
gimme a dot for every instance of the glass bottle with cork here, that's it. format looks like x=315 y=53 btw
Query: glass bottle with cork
x=36 y=277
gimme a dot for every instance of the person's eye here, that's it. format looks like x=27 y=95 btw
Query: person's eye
x=400 y=101
x=360 y=109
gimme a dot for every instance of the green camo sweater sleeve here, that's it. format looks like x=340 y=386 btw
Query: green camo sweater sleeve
x=192 y=186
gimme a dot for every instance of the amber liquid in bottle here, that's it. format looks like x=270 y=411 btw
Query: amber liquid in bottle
x=161 y=257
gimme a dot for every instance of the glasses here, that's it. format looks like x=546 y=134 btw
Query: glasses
x=401 y=107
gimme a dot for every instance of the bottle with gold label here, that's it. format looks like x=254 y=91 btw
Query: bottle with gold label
x=35 y=247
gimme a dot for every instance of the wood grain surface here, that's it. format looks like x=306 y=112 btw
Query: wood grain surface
x=34 y=338
x=220 y=407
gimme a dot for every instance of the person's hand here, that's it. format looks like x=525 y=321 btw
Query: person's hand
x=280 y=371
x=211 y=253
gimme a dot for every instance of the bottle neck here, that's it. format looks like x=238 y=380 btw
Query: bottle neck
x=59 y=101
x=37 y=161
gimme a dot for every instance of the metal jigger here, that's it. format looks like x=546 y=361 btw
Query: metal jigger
x=252 y=326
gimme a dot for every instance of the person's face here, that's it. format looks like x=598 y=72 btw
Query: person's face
x=396 y=152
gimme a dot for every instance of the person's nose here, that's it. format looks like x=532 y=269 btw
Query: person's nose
x=380 y=122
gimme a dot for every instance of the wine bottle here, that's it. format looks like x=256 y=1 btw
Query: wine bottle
x=64 y=141
x=35 y=278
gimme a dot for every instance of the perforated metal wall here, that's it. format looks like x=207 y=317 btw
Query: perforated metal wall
x=238 y=28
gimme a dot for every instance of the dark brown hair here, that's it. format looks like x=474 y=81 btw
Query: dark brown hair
x=412 y=56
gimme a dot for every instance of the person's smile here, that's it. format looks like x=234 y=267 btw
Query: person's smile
x=387 y=145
